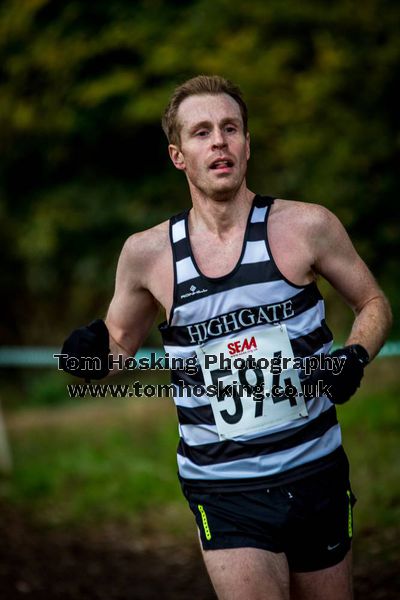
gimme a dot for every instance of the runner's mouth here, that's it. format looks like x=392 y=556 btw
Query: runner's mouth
x=221 y=164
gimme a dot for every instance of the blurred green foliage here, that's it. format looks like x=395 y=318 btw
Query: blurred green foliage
x=83 y=160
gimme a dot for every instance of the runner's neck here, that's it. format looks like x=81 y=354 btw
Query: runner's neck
x=220 y=217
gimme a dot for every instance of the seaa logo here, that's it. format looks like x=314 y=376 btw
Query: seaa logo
x=238 y=347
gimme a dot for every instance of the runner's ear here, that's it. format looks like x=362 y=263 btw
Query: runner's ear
x=248 y=152
x=176 y=157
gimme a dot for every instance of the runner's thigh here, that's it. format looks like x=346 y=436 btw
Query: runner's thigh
x=248 y=574
x=332 y=583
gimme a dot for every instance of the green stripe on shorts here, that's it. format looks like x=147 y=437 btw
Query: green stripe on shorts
x=350 y=517
x=204 y=521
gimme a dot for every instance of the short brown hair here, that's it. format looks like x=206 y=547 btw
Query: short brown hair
x=202 y=84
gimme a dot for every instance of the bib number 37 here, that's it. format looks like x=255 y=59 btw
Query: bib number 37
x=249 y=397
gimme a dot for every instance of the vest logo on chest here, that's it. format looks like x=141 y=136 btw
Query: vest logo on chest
x=193 y=292
x=238 y=320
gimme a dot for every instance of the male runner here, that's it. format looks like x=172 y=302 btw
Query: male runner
x=266 y=480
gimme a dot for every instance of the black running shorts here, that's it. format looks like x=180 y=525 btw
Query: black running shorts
x=310 y=520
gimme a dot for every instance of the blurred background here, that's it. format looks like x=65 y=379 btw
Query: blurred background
x=83 y=164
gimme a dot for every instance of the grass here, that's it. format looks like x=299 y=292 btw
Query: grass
x=371 y=434
x=92 y=461
x=107 y=460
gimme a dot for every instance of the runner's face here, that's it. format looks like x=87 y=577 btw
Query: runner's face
x=214 y=149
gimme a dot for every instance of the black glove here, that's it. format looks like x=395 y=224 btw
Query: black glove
x=90 y=342
x=344 y=384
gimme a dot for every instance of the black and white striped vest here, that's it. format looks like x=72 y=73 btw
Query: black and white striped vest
x=254 y=293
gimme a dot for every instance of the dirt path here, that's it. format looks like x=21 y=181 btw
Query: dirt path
x=109 y=565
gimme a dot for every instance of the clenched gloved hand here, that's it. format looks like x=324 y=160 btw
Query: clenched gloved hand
x=92 y=343
x=343 y=385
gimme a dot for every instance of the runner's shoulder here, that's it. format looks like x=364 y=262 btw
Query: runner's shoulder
x=306 y=217
x=146 y=246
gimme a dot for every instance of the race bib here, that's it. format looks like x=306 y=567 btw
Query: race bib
x=255 y=386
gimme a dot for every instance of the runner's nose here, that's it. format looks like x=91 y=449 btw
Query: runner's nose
x=218 y=139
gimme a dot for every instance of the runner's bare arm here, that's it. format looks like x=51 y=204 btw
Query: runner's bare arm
x=133 y=309
x=336 y=259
